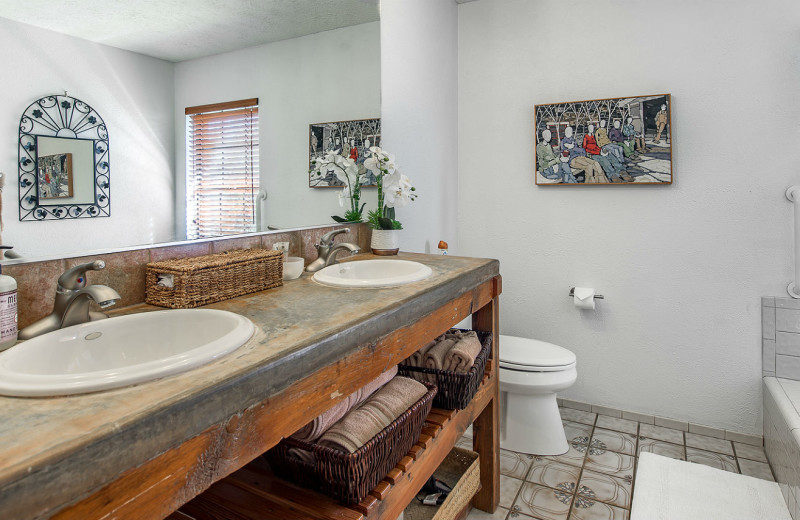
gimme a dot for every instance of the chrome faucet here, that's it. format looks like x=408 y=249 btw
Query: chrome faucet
x=327 y=251
x=72 y=301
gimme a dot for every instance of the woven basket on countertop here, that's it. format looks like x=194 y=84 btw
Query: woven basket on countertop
x=349 y=477
x=192 y=282
x=456 y=390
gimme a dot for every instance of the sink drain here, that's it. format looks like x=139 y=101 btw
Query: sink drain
x=92 y=335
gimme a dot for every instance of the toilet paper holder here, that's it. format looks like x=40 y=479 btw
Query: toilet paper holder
x=596 y=296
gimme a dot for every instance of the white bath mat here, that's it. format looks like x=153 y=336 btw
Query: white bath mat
x=668 y=489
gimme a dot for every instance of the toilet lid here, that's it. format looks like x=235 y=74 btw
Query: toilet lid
x=530 y=354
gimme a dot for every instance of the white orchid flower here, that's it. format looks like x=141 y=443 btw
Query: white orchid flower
x=397 y=190
x=379 y=161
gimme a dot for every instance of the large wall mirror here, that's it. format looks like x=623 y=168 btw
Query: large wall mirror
x=306 y=61
x=64 y=169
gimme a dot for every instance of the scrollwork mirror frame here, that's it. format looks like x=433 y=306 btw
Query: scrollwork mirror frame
x=70 y=118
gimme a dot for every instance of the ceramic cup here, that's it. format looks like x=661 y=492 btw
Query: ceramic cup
x=293 y=267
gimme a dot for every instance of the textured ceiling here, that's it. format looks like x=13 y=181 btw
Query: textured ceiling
x=178 y=30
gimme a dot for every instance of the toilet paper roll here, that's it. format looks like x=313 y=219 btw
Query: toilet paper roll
x=584 y=298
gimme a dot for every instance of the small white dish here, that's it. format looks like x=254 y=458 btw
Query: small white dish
x=293 y=267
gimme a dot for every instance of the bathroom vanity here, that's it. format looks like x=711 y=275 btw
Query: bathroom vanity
x=143 y=451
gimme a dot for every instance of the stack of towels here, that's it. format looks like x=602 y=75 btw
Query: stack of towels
x=454 y=351
x=362 y=415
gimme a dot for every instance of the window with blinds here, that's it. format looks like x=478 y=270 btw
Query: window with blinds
x=221 y=168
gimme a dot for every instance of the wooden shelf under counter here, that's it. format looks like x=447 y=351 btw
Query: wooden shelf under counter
x=255 y=493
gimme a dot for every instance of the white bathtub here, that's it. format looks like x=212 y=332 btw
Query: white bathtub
x=782 y=437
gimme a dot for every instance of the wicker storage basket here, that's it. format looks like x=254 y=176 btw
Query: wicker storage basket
x=349 y=477
x=192 y=282
x=455 y=391
x=461 y=471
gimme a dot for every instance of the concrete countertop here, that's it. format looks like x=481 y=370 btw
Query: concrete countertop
x=54 y=451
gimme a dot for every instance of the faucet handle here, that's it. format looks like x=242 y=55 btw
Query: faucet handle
x=327 y=238
x=74 y=278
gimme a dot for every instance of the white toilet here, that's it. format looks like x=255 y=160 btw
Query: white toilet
x=531 y=372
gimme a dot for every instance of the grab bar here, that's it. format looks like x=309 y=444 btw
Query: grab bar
x=793 y=194
x=261 y=197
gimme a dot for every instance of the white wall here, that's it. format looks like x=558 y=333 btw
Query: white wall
x=682 y=267
x=419 y=49
x=133 y=94
x=329 y=76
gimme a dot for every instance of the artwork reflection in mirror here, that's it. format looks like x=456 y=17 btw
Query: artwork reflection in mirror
x=351 y=139
x=54 y=176
x=64 y=166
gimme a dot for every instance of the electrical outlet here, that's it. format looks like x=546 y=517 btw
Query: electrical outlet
x=281 y=246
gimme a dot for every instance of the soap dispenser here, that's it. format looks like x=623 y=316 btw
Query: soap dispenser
x=8 y=307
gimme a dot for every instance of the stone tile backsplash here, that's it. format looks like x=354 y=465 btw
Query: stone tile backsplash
x=125 y=270
x=780 y=333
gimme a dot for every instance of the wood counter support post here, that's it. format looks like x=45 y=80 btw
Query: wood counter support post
x=486 y=428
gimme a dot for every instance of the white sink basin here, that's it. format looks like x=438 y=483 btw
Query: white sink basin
x=120 y=351
x=373 y=273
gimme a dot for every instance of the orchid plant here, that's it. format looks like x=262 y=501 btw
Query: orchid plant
x=394 y=189
x=350 y=173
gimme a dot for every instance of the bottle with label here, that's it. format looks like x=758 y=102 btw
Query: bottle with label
x=8 y=307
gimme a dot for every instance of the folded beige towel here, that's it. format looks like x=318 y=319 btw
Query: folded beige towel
x=434 y=358
x=303 y=455
x=375 y=414
x=314 y=430
x=417 y=359
x=462 y=356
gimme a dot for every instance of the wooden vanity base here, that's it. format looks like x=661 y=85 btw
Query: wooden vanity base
x=170 y=480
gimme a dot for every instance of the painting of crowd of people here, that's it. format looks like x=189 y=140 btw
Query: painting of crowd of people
x=54 y=176
x=604 y=141
x=349 y=138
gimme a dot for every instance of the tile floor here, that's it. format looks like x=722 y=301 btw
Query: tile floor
x=596 y=478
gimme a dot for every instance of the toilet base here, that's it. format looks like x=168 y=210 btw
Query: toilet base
x=532 y=424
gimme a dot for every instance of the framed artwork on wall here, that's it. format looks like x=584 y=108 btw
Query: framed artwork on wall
x=54 y=176
x=604 y=141
x=350 y=138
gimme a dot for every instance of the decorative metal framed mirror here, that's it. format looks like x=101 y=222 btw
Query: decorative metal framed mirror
x=64 y=166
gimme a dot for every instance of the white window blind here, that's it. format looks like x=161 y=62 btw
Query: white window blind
x=221 y=168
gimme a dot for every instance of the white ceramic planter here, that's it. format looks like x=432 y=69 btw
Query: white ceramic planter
x=385 y=241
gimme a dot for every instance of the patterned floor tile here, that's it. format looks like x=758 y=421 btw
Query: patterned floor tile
x=605 y=488
x=465 y=442
x=614 y=441
x=746 y=451
x=620 y=425
x=542 y=503
x=755 y=469
x=704 y=442
x=715 y=460
x=514 y=464
x=577 y=432
x=586 y=509
x=508 y=490
x=660 y=433
x=477 y=514
x=610 y=463
x=662 y=448
x=573 y=457
x=554 y=475
x=578 y=416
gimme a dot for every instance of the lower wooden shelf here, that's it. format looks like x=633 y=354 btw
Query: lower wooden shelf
x=254 y=492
